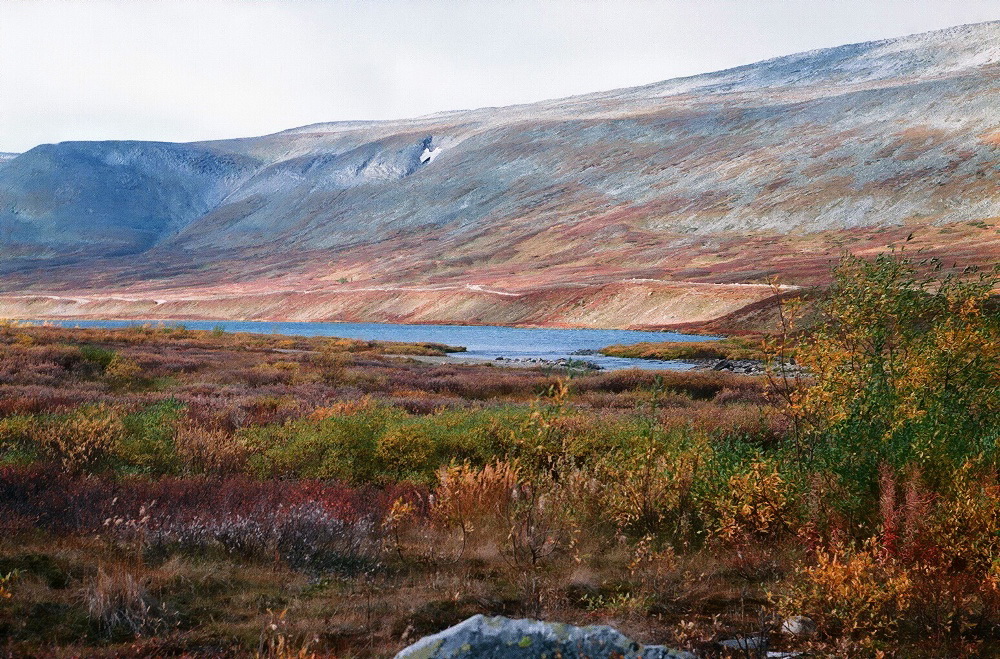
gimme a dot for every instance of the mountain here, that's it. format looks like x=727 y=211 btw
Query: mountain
x=651 y=206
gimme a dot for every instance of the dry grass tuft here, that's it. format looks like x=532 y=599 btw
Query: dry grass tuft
x=118 y=602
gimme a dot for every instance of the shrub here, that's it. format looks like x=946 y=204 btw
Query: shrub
x=206 y=451
x=466 y=497
x=17 y=439
x=406 y=453
x=338 y=447
x=333 y=360
x=904 y=369
x=852 y=592
x=653 y=492
x=900 y=367
x=6 y=594
x=305 y=535
x=121 y=372
x=146 y=444
x=102 y=357
x=756 y=505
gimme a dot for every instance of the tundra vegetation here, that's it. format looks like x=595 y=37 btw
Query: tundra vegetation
x=727 y=348
x=167 y=491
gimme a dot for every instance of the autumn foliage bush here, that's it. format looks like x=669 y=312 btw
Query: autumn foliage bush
x=899 y=417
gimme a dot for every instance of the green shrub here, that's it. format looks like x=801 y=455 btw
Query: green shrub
x=97 y=355
x=18 y=436
x=147 y=443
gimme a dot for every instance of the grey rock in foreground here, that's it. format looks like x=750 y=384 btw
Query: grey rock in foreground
x=507 y=638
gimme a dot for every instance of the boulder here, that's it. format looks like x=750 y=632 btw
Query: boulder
x=508 y=638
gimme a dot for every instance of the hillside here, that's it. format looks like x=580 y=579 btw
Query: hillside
x=658 y=205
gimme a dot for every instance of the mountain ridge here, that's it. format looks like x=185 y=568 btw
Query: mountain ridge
x=722 y=178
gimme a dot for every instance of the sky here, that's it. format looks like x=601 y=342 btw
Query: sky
x=179 y=70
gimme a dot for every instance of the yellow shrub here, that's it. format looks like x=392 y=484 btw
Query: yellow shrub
x=404 y=451
x=333 y=360
x=648 y=491
x=902 y=356
x=16 y=428
x=285 y=365
x=965 y=524
x=5 y=592
x=757 y=505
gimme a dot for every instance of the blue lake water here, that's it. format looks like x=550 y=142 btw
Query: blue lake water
x=482 y=342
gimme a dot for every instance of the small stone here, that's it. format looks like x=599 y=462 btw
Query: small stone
x=799 y=626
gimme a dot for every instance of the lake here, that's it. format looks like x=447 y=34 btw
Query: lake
x=481 y=342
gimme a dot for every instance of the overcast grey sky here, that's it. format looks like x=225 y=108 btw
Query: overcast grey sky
x=180 y=71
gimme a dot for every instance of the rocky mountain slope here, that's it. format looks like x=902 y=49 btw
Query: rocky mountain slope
x=649 y=206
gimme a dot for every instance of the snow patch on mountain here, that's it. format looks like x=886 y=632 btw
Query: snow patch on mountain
x=429 y=154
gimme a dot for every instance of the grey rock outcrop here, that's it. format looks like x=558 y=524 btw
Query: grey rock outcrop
x=507 y=638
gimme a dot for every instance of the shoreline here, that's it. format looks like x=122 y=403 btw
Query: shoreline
x=505 y=362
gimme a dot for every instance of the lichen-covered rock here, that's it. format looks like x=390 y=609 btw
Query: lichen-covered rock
x=507 y=638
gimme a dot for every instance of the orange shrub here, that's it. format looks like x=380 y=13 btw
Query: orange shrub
x=854 y=593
